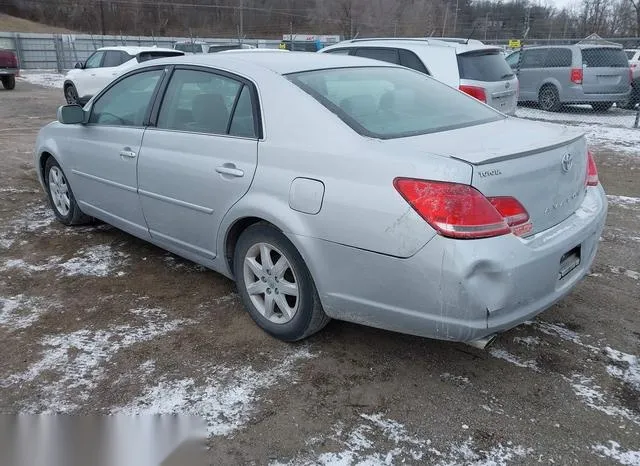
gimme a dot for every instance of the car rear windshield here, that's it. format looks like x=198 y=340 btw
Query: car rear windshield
x=604 y=58
x=485 y=65
x=393 y=102
x=146 y=56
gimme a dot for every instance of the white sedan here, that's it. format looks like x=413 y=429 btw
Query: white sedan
x=103 y=66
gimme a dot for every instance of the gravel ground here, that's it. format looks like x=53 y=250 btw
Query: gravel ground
x=93 y=320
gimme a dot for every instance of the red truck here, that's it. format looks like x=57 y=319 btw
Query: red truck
x=8 y=68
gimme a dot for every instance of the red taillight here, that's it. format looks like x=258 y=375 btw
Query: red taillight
x=592 y=171
x=475 y=91
x=461 y=211
x=576 y=75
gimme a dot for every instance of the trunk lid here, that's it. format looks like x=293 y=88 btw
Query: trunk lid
x=605 y=71
x=521 y=159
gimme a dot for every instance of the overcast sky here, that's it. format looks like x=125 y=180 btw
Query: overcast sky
x=560 y=3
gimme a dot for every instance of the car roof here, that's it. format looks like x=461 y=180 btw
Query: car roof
x=137 y=50
x=280 y=63
x=459 y=45
x=580 y=46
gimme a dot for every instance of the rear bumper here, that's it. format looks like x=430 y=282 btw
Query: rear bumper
x=576 y=95
x=452 y=289
x=9 y=71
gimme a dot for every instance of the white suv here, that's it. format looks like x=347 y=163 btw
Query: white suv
x=103 y=66
x=477 y=69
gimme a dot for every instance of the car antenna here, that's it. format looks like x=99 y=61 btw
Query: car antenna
x=472 y=31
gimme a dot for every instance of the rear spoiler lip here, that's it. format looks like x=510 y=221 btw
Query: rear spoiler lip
x=524 y=153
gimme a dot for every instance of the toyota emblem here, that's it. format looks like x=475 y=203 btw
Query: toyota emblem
x=507 y=85
x=567 y=162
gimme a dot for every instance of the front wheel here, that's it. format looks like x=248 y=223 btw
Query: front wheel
x=9 y=82
x=61 y=196
x=275 y=285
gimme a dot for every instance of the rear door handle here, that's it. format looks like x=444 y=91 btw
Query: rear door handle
x=128 y=153
x=230 y=170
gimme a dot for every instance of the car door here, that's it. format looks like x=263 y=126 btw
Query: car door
x=198 y=159
x=558 y=69
x=103 y=153
x=531 y=73
x=84 y=77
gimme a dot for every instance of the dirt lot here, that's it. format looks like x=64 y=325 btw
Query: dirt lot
x=94 y=320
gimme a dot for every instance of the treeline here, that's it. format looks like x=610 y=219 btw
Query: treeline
x=481 y=19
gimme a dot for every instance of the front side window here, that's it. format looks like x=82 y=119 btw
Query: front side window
x=388 y=55
x=126 y=102
x=94 y=61
x=534 y=58
x=200 y=102
x=512 y=60
x=390 y=102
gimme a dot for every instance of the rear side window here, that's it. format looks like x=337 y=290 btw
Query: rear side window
x=392 y=102
x=151 y=55
x=484 y=66
x=388 y=55
x=604 y=58
x=411 y=60
x=630 y=54
x=558 y=58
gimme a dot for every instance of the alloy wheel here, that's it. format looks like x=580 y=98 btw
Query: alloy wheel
x=59 y=190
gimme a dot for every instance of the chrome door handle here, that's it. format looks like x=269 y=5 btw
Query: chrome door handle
x=128 y=154
x=230 y=170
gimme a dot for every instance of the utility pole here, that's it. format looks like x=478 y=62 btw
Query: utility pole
x=455 y=20
x=444 y=25
x=241 y=20
x=486 y=26
x=102 y=17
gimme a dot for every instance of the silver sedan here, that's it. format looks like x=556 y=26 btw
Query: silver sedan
x=334 y=187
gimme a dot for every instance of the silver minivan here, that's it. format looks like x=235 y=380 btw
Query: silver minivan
x=572 y=74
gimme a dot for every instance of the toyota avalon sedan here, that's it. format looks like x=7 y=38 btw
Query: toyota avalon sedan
x=334 y=187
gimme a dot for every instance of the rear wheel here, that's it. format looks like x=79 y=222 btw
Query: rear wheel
x=275 y=285
x=9 y=82
x=549 y=99
x=601 y=106
x=71 y=94
x=61 y=196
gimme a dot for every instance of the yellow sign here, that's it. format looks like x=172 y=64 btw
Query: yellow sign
x=514 y=43
x=282 y=45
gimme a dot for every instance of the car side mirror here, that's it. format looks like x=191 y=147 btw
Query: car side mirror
x=79 y=66
x=71 y=114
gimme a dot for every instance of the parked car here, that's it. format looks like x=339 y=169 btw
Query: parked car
x=104 y=65
x=349 y=202
x=572 y=74
x=634 y=62
x=195 y=47
x=9 y=69
x=479 y=70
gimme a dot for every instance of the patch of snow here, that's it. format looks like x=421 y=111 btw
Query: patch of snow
x=527 y=341
x=626 y=367
x=500 y=455
x=42 y=78
x=562 y=332
x=626 y=272
x=98 y=261
x=19 y=312
x=182 y=264
x=623 y=201
x=226 y=398
x=455 y=378
x=513 y=359
x=614 y=452
x=76 y=361
x=591 y=395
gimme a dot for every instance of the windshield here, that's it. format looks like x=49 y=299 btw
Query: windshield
x=393 y=102
x=605 y=58
x=484 y=66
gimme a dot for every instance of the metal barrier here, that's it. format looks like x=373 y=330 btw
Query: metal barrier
x=62 y=51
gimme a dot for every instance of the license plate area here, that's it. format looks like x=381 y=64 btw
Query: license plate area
x=569 y=262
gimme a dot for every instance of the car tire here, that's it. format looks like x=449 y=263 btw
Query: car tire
x=61 y=198
x=601 y=106
x=9 y=82
x=268 y=287
x=71 y=94
x=549 y=99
